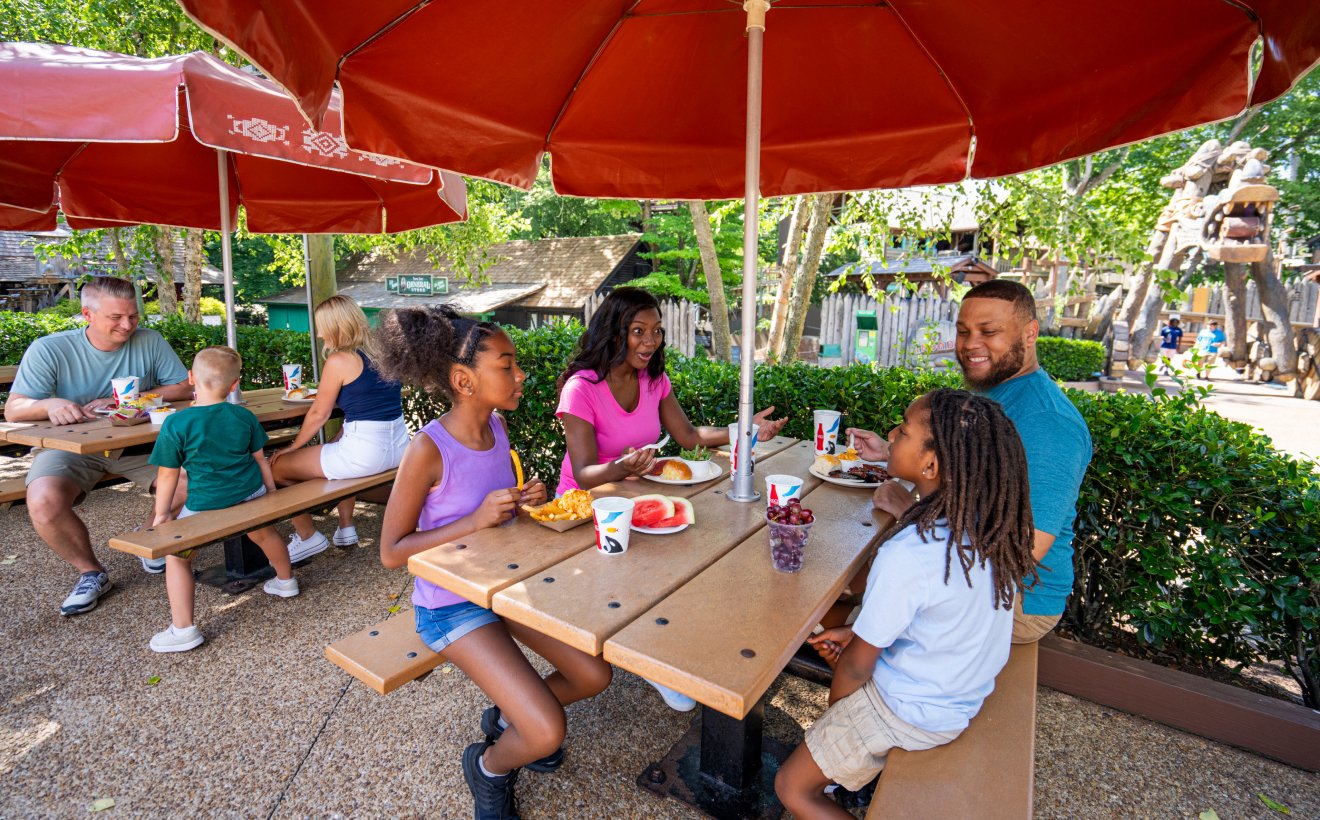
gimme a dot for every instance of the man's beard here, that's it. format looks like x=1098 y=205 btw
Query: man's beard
x=1001 y=371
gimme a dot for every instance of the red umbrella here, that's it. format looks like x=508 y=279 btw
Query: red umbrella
x=111 y=140
x=662 y=98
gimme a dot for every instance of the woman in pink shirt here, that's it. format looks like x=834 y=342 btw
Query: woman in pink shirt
x=614 y=397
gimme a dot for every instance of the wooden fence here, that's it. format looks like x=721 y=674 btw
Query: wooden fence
x=910 y=328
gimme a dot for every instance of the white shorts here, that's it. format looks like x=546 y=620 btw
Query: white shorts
x=365 y=448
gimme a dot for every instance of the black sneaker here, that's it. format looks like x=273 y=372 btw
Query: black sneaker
x=492 y=797
x=490 y=726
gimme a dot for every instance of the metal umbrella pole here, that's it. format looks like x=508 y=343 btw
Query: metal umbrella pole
x=743 y=487
x=227 y=262
x=311 y=325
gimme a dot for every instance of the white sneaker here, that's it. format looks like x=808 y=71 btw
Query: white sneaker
x=301 y=550
x=345 y=537
x=282 y=589
x=155 y=566
x=675 y=700
x=174 y=639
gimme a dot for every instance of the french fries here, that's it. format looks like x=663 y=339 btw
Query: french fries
x=571 y=506
x=517 y=467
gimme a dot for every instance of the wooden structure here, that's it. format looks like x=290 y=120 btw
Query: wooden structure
x=963 y=268
x=912 y=330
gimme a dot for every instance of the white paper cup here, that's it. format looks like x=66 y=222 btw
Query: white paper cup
x=158 y=416
x=735 y=440
x=292 y=377
x=613 y=520
x=780 y=489
x=827 y=431
x=125 y=388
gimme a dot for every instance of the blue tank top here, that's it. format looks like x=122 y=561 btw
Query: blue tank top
x=369 y=397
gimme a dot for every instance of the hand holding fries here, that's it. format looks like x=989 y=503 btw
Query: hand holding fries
x=571 y=506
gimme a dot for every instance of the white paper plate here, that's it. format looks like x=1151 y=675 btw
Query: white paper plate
x=711 y=472
x=662 y=530
x=843 y=482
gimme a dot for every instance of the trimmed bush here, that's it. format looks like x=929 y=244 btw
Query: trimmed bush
x=1070 y=360
x=18 y=330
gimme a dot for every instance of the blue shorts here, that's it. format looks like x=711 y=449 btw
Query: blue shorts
x=441 y=627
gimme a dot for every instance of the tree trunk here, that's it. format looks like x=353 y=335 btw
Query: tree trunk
x=1274 y=309
x=1145 y=329
x=192 y=275
x=797 y=224
x=710 y=263
x=805 y=278
x=1102 y=316
x=117 y=251
x=165 y=294
x=1235 y=315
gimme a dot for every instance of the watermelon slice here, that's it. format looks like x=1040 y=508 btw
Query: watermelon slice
x=649 y=510
x=683 y=514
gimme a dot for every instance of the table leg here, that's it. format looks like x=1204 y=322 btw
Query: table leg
x=245 y=566
x=722 y=766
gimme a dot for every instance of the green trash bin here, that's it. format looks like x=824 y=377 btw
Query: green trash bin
x=868 y=337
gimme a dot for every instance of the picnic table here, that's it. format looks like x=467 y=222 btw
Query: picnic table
x=701 y=611
x=8 y=373
x=243 y=560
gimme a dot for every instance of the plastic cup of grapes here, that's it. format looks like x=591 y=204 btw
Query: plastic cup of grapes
x=789 y=525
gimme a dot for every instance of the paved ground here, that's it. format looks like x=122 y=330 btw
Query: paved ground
x=256 y=723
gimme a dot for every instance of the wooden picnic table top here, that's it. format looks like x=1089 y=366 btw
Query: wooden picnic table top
x=712 y=585
x=8 y=372
x=100 y=435
x=490 y=560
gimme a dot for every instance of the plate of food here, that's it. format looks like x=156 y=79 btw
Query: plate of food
x=301 y=395
x=563 y=513
x=688 y=467
x=850 y=470
x=662 y=514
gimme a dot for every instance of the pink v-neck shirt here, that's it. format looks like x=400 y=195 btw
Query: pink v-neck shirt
x=616 y=428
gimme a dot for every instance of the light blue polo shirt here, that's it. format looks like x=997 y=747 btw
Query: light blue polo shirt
x=1058 y=447
x=67 y=365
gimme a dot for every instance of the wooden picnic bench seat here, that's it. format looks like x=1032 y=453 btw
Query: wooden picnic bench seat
x=385 y=656
x=987 y=772
x=217 y=525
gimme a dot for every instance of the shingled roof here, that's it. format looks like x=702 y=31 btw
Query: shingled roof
x=569 y=268
x=18 y=261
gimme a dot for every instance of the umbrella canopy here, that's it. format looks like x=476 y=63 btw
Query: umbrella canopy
x=111 y=139
x=646 y=98
x=663 y=98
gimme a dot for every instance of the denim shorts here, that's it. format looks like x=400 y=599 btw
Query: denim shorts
x=441 y=627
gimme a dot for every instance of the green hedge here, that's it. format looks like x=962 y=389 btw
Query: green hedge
x=1070 y=360
x=1198 y=535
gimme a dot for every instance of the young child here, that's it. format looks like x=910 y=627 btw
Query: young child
x=219 y=445
x=457 y=477
x=937 y=614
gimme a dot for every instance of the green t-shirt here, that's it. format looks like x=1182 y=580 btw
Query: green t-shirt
x=214 y=444
x=66 y=365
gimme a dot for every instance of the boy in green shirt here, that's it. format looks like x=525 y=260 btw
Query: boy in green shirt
x=219 y=444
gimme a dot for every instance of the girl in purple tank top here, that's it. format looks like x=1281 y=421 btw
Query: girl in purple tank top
x=456 y=478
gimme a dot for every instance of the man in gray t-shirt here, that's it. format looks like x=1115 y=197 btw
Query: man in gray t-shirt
x=63 y=379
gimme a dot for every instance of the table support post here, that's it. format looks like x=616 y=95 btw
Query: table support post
x=722 y=766
x=245 y=566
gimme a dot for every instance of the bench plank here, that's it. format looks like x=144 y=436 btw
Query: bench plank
x=385 y=656
x=987 y=772
x=14 y=490
x=216 y=525
x=723 y=637
x=593 y=596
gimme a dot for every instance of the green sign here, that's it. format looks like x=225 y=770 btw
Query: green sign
x=439 y=285
x=391 y=284
x=419 y=284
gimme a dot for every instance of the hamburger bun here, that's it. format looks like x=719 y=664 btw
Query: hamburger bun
x=826 y=464
x=676 y=469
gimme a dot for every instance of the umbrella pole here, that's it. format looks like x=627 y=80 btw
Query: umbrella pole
x=227 y=261
x=311 y=325
x=743 y=487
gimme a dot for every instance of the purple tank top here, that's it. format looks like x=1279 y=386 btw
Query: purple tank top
x=469 y=476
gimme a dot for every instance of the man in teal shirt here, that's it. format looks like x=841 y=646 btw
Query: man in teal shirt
x=996 y=347
x=64 y=378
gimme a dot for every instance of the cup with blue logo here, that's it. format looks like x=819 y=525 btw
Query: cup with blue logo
x=780 y=489
x=613 y=517
x=292 y=377
x=125 y=388
x=827 y=431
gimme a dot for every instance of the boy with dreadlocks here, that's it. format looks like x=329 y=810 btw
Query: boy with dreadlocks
x=937 y=614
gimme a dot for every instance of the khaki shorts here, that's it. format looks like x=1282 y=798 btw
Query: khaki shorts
x=852 y=739
x=86 y=470
x=1031 y=628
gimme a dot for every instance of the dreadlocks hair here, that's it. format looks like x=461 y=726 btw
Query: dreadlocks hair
x=983 y=496
x=604 y=344
x=420 y=346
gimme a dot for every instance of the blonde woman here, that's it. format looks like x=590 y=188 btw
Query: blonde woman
x=374 y=434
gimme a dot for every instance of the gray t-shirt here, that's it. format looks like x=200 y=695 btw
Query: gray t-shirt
x=66 y=365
